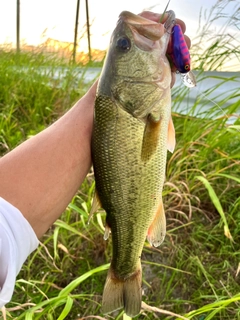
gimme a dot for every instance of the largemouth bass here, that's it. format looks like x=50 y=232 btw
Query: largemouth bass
x=132 y=132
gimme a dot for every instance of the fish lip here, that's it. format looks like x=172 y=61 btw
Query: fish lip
x=146 y=33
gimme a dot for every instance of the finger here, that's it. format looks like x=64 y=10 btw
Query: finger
x=188 y=41
x=182 y=25
x=157 y=17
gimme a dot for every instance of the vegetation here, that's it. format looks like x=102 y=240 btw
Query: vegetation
x=196 y=271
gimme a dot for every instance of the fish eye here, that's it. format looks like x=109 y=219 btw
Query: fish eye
x=187 y=67
x=124 y=44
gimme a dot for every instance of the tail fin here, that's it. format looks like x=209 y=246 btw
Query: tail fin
x=125 y=294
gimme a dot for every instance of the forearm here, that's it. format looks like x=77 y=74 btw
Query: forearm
x=41 y=176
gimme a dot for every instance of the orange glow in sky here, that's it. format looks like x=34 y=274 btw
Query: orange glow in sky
x=55 y=19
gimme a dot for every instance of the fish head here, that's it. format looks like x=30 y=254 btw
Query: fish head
x=136 y=72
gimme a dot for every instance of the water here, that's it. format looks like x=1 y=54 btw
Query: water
x=215 y=91
x=211 y=93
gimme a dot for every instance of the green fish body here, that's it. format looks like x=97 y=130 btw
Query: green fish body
x=131 y=135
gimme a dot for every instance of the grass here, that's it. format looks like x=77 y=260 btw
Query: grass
x=196 y=271
x=31 y=97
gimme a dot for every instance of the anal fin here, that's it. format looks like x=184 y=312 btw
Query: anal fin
x=96 y=204
x=157 y=230
x=107 y=232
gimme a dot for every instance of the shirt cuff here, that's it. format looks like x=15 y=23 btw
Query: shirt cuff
x=17 y=241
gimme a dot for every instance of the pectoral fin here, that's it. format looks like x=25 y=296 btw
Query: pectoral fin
x=150 y=137
x=171 y=142
x=157 y=230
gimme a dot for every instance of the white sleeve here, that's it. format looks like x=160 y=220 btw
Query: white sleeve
x=17 y=241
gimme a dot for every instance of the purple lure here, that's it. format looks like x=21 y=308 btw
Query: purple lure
x=180 y=54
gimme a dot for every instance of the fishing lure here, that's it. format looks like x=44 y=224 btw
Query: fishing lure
x=181 y=57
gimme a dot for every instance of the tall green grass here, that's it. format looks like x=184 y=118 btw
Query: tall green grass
x=35 y=91
x=195 y=274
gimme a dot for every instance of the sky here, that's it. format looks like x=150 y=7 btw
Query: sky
x=42 y=19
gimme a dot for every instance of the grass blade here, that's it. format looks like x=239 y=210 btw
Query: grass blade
x=217 y=205
x=64 y=225
x=162 y=16
x=126 y=317
x=229 y=177
x=67 y=309
x=211 y=307
x=72 y=285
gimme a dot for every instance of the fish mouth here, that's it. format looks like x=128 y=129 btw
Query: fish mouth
x=146 y=33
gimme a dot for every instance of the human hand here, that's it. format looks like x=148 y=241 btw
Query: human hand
x=156 y=17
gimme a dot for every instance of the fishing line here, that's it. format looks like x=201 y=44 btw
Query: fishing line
x=215 y=103
x=225 y=114
x=220 y=108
